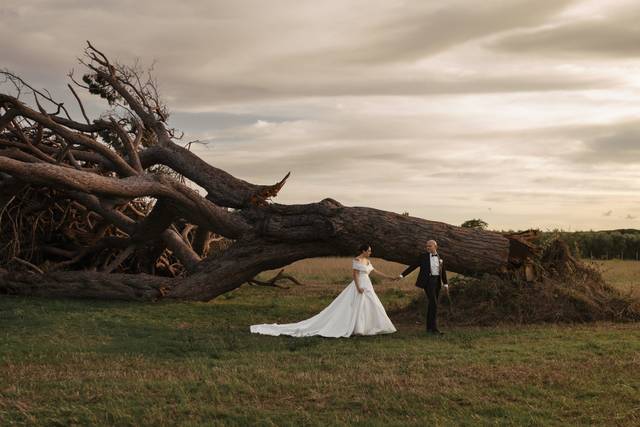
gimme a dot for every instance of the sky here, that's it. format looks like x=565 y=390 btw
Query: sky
x=523 y=113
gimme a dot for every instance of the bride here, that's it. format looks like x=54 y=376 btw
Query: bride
x=356 y=311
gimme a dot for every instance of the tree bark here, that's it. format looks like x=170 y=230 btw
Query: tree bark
x=323 y=229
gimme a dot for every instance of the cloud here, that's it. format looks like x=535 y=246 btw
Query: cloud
x=201 y=122
x=614 y=144
x=447 y=110
x=612 y=34
x=212 y=53
x=619 y=147
x=254 y=88
x=416 y=30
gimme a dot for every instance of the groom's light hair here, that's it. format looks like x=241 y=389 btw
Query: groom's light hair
x=432 y=241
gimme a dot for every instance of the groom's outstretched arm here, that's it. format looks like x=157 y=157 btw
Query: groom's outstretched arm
x=409 y=270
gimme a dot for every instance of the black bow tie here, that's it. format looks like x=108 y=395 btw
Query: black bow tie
x=434 y=255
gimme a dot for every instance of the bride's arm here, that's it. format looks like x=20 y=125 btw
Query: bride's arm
x=355 y=279
x=386 y=276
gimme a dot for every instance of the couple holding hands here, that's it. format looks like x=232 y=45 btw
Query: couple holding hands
x=357 y=309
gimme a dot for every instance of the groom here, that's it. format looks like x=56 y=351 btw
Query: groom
x=432 y=274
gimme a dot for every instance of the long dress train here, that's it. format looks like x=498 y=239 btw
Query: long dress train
x=350 y=313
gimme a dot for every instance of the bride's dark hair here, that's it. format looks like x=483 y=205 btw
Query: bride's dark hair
x=363 y=248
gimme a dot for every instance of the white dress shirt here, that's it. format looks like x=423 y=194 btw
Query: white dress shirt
x=435 y=264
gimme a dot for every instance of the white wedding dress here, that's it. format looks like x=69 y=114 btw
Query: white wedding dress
x=350 y=313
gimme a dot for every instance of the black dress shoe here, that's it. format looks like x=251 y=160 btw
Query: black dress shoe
x=435 y=332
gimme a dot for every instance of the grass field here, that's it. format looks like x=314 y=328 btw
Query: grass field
x=65 y=362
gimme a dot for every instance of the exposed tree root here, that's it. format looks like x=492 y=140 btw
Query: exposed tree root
x=567 y=290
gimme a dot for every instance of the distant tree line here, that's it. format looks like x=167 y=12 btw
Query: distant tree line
x=610 y=244
x=606 y=244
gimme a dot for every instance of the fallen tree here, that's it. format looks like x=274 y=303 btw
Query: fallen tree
x=103 y=208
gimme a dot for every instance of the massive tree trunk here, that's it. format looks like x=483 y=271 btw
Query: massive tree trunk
x=106 y=212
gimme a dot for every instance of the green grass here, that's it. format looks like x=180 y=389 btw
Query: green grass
x=66 y=362
x=625 y=274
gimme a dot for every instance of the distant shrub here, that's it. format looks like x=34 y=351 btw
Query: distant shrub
x=475 y=223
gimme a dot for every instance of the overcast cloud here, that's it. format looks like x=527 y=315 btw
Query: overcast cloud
x=524 y=113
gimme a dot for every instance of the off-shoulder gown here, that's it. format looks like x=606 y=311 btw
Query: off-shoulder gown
x=350 y=313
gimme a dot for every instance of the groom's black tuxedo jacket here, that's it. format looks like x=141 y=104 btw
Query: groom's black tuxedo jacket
x=424 y=263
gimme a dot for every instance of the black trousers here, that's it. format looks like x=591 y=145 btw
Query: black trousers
x=432 y=289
